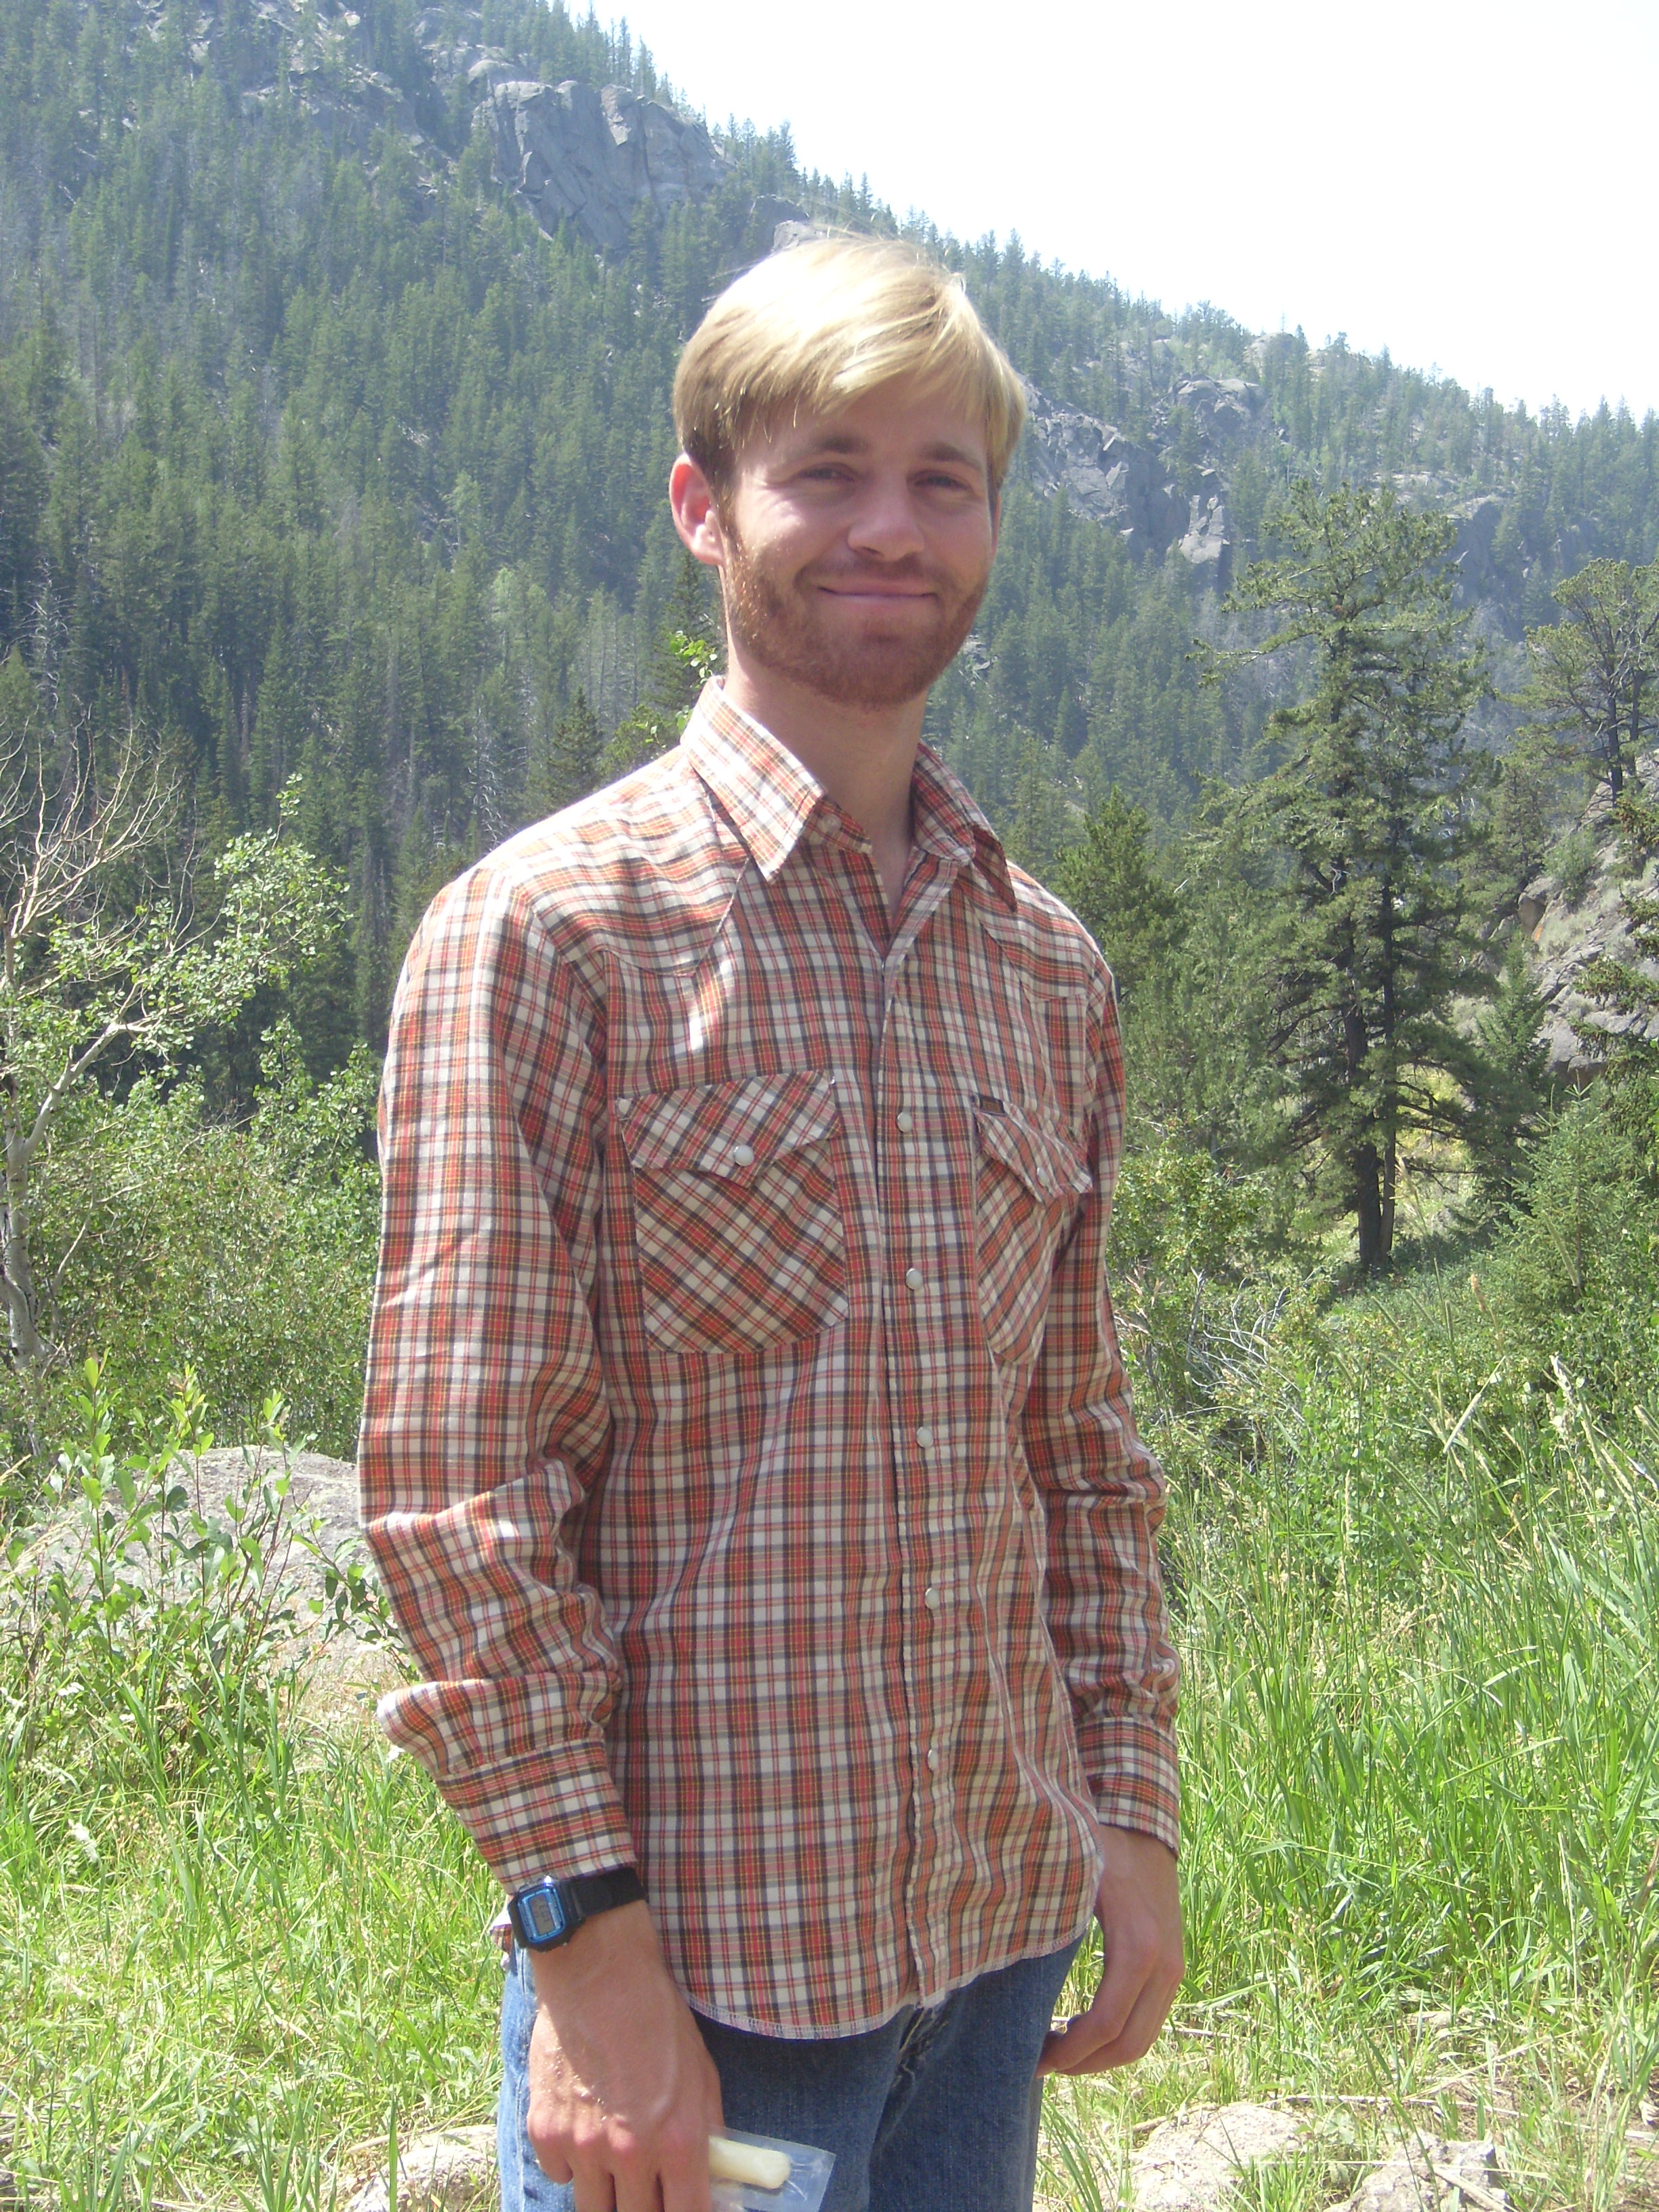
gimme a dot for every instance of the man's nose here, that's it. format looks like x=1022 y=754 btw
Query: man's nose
x=884 y=522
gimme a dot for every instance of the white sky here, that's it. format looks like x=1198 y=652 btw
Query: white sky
x=1471 y=184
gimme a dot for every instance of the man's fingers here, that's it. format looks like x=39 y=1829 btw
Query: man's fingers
x=685 y=2184
x=595 y=2191
x=1122 y=1980
x=1088 y=2045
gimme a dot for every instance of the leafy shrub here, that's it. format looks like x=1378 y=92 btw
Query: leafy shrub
x=1575 y=1274
x=140 y=1629
x=243 y=1252
x=1573 y=863
x=1181 y=1226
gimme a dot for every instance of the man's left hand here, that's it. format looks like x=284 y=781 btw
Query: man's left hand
x=1142 y=1960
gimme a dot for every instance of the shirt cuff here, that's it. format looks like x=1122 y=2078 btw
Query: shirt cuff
x=554 y=1811
x=1134 y=1776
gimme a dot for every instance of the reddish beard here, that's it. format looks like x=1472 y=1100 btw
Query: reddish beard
x=776 y=627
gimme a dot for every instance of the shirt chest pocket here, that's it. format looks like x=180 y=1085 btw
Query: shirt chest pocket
x=736 y=1216
x=1030 y=1179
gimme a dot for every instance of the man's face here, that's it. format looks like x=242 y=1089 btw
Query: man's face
x=855 y=548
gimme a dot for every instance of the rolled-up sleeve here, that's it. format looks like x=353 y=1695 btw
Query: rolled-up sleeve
x=1104 y=1494
x=485 y=1419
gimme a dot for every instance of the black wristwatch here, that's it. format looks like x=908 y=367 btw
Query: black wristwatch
x=548 y=1912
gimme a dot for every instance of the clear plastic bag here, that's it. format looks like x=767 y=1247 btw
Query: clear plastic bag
x=809 y=2178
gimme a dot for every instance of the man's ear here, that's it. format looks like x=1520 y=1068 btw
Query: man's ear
x=696 y=513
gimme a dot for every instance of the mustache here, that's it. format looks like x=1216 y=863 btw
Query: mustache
x=911 y=569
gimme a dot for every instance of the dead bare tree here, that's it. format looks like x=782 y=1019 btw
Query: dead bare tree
x=100 y=949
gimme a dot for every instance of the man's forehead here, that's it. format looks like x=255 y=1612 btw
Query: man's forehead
x=933 y=425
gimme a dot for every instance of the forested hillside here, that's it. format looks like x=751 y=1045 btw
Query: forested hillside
x=322 y=459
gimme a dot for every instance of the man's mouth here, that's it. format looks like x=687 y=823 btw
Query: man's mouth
x=878 y=587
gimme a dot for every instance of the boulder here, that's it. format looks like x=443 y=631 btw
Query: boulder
x=453 y=2170
x=590 y=156
x=1191 y=2163
x=785 y=221
x=1226 y=407
x=1427 y=2174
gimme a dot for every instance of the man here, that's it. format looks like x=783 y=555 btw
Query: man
x=746 y=1448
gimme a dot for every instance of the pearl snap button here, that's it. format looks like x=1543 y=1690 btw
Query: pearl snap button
x=924 y=1435
x=906 y=1121
x=933 y=1761
x=913 y=1279
x=743 y=1155
x=931 y=1597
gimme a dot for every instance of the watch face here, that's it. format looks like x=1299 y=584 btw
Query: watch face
x=542 y=1914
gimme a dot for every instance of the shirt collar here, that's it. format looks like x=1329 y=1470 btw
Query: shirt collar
x=773 y=800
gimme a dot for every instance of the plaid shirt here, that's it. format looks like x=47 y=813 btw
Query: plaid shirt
x=747 y=1451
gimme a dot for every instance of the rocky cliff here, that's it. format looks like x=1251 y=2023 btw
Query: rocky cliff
x=1574 y=913
x=1153 y=500
x=588 y=155
x=599 y=157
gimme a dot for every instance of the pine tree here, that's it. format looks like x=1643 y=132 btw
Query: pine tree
x=1368 y=816
x=279 y=733
x=1512 y=1091
x=1596 y=672
x=564 y=761
x=1113 y=883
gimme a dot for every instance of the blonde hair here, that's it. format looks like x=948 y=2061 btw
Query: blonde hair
x=813 y=328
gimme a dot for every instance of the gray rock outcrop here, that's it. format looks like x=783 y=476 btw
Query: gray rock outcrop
x=1572 y=924
x=1104 y=474
x=1193 y=2163
x=453 y=2170
x=1477 y=521
x=1170 y=492
x=786 y=220
x=1227 y=407
x=1429 y=2175
x=590 y=156
x=1208 y=541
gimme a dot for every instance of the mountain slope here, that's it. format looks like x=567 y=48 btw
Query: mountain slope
x=335 y=348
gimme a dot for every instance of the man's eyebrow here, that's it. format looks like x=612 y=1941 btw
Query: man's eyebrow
x=833 y=441
x=848 y=441
x=943 y=450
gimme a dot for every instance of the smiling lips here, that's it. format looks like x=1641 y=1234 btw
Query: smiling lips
x=864 y=587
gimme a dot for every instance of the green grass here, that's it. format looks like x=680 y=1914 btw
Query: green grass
x=1421 y=1743
x=1421 y=1755
x=271 y=1964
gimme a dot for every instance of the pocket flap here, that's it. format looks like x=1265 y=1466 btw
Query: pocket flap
x=1045 y=1159
x=728 y=1129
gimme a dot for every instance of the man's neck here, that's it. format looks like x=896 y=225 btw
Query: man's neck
x=863 y=758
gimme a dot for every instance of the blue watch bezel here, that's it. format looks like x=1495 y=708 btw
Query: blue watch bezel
x=548 y=1893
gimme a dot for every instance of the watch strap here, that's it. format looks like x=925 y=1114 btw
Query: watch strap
x=602 y=1893
x=548 y=1913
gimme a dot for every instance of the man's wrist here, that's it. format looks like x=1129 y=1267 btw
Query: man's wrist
x=593 y=1953
x=548 y=1913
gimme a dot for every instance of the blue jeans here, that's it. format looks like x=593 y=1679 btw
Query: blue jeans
x=935 y=2111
